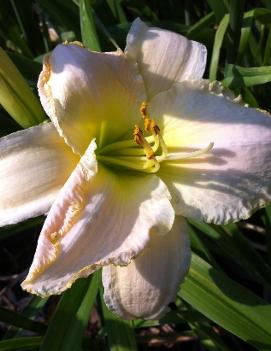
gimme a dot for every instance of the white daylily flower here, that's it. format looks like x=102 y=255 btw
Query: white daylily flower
x=201 y=155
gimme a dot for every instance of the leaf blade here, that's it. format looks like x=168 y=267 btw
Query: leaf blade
x=227 y=303
x=88 y=28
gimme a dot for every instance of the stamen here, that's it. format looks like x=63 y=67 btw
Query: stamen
x=150 y=125
x=156 y=143
x=101 y=138
x=121 y=147
x=117 y=146
x=143 y=110
x=164 y=148
x=136 y=163
x=140 y=140
x=135 y=151
x=128 y=155
x=180 y=156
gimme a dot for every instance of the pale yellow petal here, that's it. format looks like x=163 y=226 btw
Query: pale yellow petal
x=90 y=95
x=164 y=57
x=34 y=164
x=233 y=179
x=99 y=217
x=145 y=287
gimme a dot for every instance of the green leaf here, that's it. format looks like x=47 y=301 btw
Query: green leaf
x=196 y=29
x=15 y=95
x=236 y=75
x=29 y=69
x=19 y=321
x=105 y=31
x=198 y=245
x=64 y=316
x=117 y=10
x=267 y=50
x=248 y=97
x=88 y=28
x=219 y=37
x=244 y=40
x=209 y=339
x=253 y=259
x=263 y=16
x=74 y=334
x=30 y=311
x=234 y=32
x=29 y=25
x=231 y=244
x=25 y=343
x=120 y=333
x=228 y=304
x=64 y=16
x=219 y=8
x=10 y=32
x=260 y=14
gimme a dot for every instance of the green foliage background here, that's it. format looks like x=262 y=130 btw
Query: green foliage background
x=224 y=303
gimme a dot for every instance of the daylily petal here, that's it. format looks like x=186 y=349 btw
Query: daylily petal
x=34 y=164
x=98 y=218
x=234 y=178
x=164 y=57
x=90 y=94
x=145 y=287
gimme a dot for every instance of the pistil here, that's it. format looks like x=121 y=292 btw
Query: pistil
x=178 y=156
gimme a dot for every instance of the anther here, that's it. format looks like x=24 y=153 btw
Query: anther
x=140 y=140
x=150 y=126
x=143 y=110
x=138 y=135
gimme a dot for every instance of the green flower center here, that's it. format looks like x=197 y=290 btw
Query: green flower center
x=143 y=154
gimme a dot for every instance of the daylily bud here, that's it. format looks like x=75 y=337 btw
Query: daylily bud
x=15 y=95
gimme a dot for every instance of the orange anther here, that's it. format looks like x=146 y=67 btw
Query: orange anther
x=140 y=140
x=138 y=135
x=143 y=109
x=150 y=126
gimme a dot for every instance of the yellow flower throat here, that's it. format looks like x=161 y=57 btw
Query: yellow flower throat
x=143 y=154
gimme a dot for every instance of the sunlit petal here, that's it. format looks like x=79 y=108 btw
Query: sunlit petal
x=145 y=287
x=164 y=57
x=34 y=164
x=234 y=178
x=90 y=94
x=99 y=217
